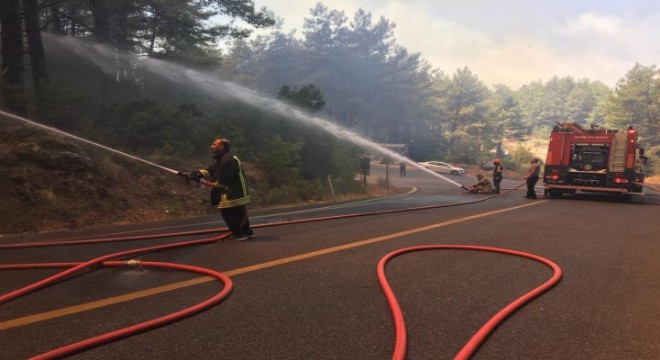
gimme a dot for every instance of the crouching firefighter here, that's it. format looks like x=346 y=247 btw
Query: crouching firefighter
x=229 y=191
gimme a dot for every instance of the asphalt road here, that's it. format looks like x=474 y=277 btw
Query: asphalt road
x=309 y=290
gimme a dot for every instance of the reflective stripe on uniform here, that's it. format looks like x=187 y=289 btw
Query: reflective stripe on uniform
x=226 y=203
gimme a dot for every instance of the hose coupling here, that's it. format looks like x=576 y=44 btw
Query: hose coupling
x=133 y=263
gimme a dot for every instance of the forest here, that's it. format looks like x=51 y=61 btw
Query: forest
x=156 y=78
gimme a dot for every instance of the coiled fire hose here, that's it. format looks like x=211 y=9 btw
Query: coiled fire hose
x=145 y=326
x=471 y=346
x=104 y=261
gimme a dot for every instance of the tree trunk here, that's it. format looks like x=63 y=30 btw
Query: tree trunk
x=101 y=20
x=152 y=39
x=11 y=49
x=120 y=39
x=11 y=40
x=35 y=45
x=499 y=151
x=57 y=25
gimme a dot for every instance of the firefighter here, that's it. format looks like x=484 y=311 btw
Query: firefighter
x=497 y=175
x=483 y=186
x=229 y=191
x=532 y=177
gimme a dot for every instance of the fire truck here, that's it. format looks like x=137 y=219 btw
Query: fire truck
x=593 y=160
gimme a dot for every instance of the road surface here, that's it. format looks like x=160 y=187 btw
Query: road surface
x=310 y=291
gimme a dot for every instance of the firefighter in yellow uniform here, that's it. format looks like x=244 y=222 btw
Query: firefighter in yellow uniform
x=229 y=191
x=483 y=186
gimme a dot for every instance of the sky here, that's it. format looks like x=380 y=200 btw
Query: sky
x=511 y=42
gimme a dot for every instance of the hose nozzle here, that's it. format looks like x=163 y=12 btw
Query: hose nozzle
x=185 y=175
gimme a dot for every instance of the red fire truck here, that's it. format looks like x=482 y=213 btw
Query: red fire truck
x=595 y=160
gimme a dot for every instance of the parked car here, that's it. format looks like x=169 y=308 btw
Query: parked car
x=443 y=167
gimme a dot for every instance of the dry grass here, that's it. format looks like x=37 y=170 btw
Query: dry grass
x=655 y=180
x=471 y=171
x=373 y=190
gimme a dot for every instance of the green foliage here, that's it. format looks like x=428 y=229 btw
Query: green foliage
x=308 y=97
x=13 y=98
x=322 y=155
x=465 y=150
x=653 y=154
x=296 y=191
x=561 y=99
x=62 y=107
x=173 y=29
x=148 y=126
x=505 y=113
x=519 y=158
x=280 y=160
x=636 y=101
x=389 y=95
x=348 y=60
x=466 y=124
x=427 y=146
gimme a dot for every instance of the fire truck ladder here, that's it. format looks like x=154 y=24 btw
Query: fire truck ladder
x=618 y=158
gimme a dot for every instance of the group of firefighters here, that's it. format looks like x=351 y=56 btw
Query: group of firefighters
x=229 y=192
x=484 y=186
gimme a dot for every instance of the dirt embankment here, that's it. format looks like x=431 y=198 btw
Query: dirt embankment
x=49 y=184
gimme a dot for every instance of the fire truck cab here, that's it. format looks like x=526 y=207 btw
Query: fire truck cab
x=593 y=160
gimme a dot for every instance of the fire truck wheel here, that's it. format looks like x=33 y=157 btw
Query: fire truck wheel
x=554 y=194
x=621 y=197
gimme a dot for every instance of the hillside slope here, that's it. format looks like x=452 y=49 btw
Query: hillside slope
x=48 y=183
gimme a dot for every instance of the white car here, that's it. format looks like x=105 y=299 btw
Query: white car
x=443 y=168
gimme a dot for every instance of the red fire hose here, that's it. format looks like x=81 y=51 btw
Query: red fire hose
x=51 y=279
x=215 y=230
x=476 y=340
x=145 y=326
x=400 y=332
x=102 y=261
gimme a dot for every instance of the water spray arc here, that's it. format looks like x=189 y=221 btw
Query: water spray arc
x=331 y=128
x=252 y=97
x=58 y=131
x=210 y=84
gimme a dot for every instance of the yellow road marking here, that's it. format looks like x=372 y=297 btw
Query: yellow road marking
x=182 y=284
